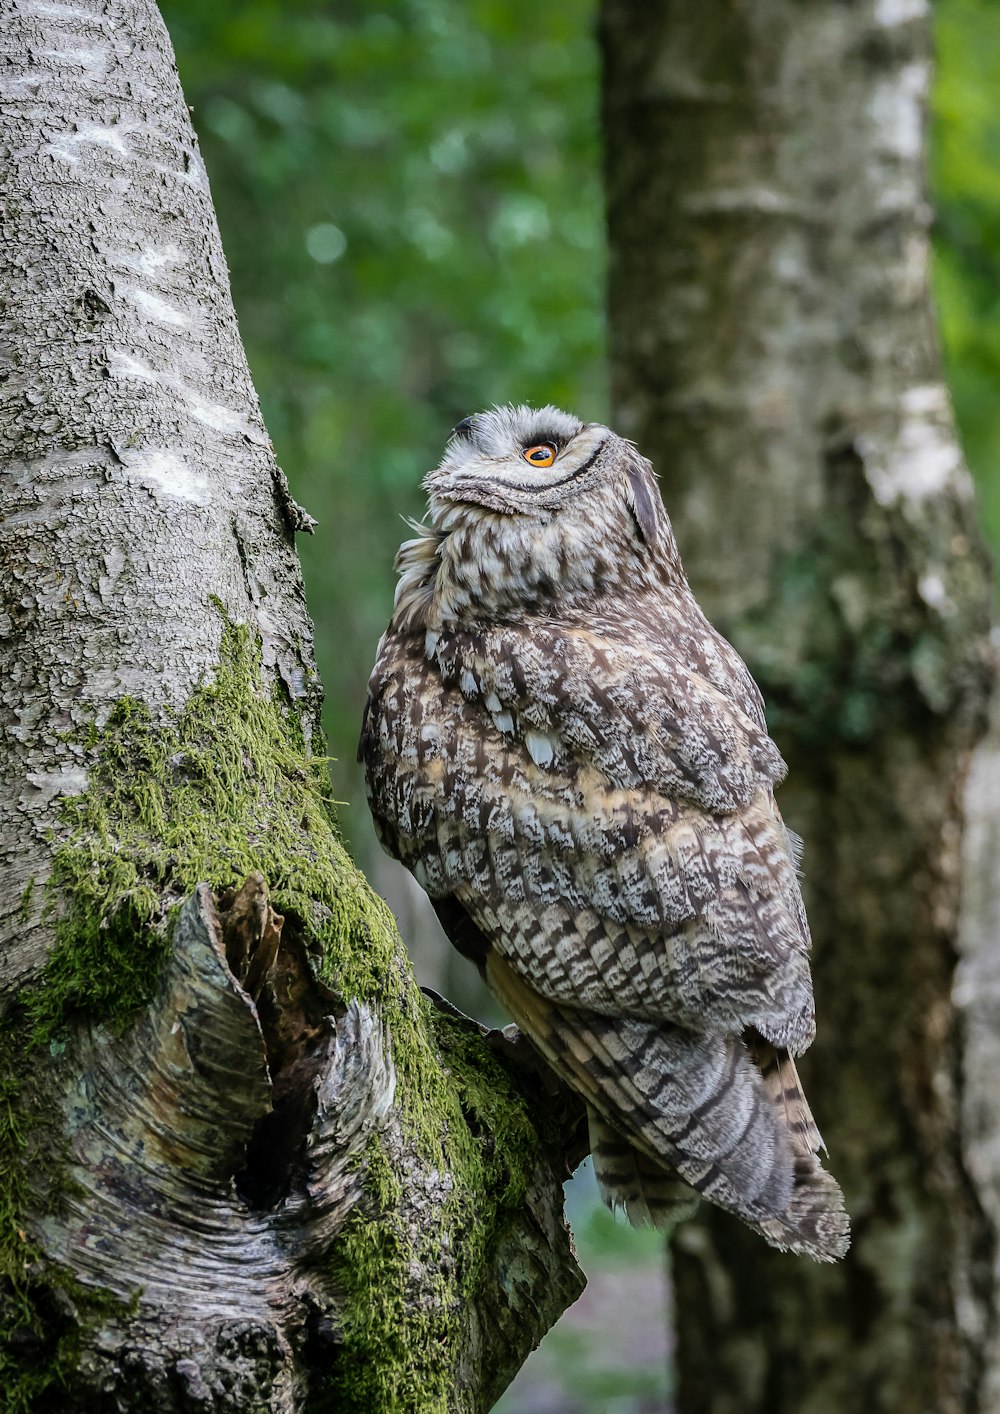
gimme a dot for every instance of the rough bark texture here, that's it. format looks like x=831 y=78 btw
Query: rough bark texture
x=774 y=352
x=245 y=1164
x=977 y=995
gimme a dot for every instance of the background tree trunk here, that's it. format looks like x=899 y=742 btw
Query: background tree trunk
x=774 y=352
x=245 y=1165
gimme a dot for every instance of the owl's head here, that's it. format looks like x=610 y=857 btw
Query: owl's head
x=541 y=463
x=532 y=509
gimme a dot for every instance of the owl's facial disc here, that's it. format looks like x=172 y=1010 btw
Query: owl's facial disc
x=516 y=460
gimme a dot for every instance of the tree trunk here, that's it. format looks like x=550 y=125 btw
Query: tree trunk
x=246 y=1165
x=774 y=352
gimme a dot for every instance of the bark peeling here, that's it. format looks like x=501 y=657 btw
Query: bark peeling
x=159 y=1123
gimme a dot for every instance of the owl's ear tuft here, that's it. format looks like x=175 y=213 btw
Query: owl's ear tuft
x=644 y=499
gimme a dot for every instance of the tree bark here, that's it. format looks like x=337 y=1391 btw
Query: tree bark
x=774 y=353
x=246 y=1165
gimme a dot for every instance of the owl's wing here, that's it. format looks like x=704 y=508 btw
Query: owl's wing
x=634 y=927
x=685 y=719
x=569 y=794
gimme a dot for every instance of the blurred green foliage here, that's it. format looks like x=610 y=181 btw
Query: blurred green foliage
x=410 y=204
x=965 y=179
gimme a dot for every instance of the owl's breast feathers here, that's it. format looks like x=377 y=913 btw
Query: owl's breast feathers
x=599 y=802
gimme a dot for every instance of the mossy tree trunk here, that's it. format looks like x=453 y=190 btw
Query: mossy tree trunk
x=245 y=1164
x=774 y=352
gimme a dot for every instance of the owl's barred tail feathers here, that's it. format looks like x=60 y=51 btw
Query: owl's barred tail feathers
x=650 y=1194
x=697 y=1108
x=815 y=1220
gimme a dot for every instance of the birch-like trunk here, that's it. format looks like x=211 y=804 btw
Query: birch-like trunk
x=774 y=352
x=245 y=1164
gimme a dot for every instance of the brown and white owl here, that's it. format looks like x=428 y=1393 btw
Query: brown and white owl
x=576 y=768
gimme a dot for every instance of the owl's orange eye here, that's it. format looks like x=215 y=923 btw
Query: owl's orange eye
x=544 y=454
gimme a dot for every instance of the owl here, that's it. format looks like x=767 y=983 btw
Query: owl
x=575 y=766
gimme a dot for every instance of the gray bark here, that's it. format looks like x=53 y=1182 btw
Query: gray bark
x=774 y=352
x=977 y=997
x=245 y=1165
x=138 y=475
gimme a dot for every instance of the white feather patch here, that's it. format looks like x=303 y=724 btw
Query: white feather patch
x=541 y=747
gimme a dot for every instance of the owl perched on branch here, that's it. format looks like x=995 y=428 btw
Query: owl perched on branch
x=576 y=768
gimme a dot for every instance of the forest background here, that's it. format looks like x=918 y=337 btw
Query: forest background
x=411 y=207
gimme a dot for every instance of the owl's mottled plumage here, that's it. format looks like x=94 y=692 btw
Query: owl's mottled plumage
x=576 y=767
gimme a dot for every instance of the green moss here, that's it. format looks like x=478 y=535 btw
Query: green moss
x=27 y=894
x=471 y=1122
x=212 y=793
